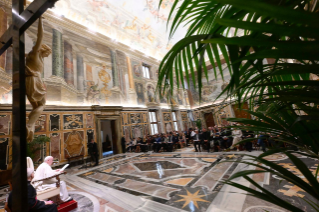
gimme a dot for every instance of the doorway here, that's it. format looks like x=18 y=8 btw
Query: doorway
x=209 y=118
x=108 y=138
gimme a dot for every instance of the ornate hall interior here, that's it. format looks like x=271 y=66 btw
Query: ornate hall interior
x=98 y=86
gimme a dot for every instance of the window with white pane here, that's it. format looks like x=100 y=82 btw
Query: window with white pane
x=153 y=122
x=146 y=71
x=175 y=121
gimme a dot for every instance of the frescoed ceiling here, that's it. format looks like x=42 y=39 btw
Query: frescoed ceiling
x=136 y=23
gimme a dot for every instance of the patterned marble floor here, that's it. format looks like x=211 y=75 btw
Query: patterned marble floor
x=178 y=181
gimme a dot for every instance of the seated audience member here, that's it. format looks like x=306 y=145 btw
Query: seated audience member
x=218 y=141
x=165 y=140
x=175 y=139
x=45 y=171
x=154 y=144
x=205 y=139
x=131 y=145
x=34 y=204
x=149 y=143
x=197 y=141
x=227 y=140
x=169 y=142
x=158 y=142
x=138 y=144
x=261 y=141
x=248 y=144
x=181 y=139
x=144 y=144
x=237 y=135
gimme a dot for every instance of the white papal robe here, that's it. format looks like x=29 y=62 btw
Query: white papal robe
x=45 y=171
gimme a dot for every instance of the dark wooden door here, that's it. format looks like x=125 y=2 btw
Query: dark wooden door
x=240 y=113
x=209 y=118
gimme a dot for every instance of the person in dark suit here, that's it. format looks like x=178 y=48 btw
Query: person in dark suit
x=93 y=151
x=34 y=204
x=197 y=141
x=169 y=142
x=227 y=140
x=123 y=144
x=205 y=137
x=248 y=144
x=158 y=143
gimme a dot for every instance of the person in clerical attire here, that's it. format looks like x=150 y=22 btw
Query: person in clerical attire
x=123 y=144
x=93 y=151
x=45 y=171
x=34 y=204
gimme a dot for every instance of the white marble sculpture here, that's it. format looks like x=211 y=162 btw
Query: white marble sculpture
x=35 y=88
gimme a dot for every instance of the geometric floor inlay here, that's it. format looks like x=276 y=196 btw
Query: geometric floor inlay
x=149 y=166
x=182 y=181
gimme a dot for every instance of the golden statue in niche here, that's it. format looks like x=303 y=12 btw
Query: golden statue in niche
x=35 y=88
x=105 y=78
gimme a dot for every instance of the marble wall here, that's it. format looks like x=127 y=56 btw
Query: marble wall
x=134 y=124
x=68 y=132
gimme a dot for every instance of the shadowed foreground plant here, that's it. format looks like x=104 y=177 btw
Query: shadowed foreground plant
x=271 y=49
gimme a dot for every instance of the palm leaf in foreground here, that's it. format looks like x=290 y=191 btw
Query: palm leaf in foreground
x=307 y=181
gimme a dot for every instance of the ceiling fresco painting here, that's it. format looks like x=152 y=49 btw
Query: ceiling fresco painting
x=138 y=24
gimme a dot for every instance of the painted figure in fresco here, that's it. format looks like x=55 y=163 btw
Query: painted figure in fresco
x=131 y=26
x=35 y=88
x=106 y=78
x=137 y=70
x=93 y=95
x=150 y=93
x=140 y=95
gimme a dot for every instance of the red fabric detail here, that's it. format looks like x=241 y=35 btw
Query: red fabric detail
x=35 y=203
x=66 y=207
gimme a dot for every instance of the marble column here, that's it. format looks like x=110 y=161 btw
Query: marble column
x=130 y=73
x=131 y=91
x=9 y=61
x=3 y=28
x=80 y=73
x=114 y=69
x=57 y=54
x=68 y=64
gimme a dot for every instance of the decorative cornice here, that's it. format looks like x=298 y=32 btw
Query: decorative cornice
x=56 y=81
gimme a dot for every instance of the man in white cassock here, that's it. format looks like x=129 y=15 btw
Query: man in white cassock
x=45 y=171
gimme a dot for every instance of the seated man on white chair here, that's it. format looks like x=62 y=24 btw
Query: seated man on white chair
x=45 y=171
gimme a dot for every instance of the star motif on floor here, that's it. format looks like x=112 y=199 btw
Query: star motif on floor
x=191 y=198
x=232 y=156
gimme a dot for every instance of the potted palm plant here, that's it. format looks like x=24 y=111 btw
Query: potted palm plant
x=271 y=51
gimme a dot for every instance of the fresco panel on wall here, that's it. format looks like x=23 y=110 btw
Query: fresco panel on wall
x=73 y=144
x=5 y=123
x=54 y=122
x=73 y=121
